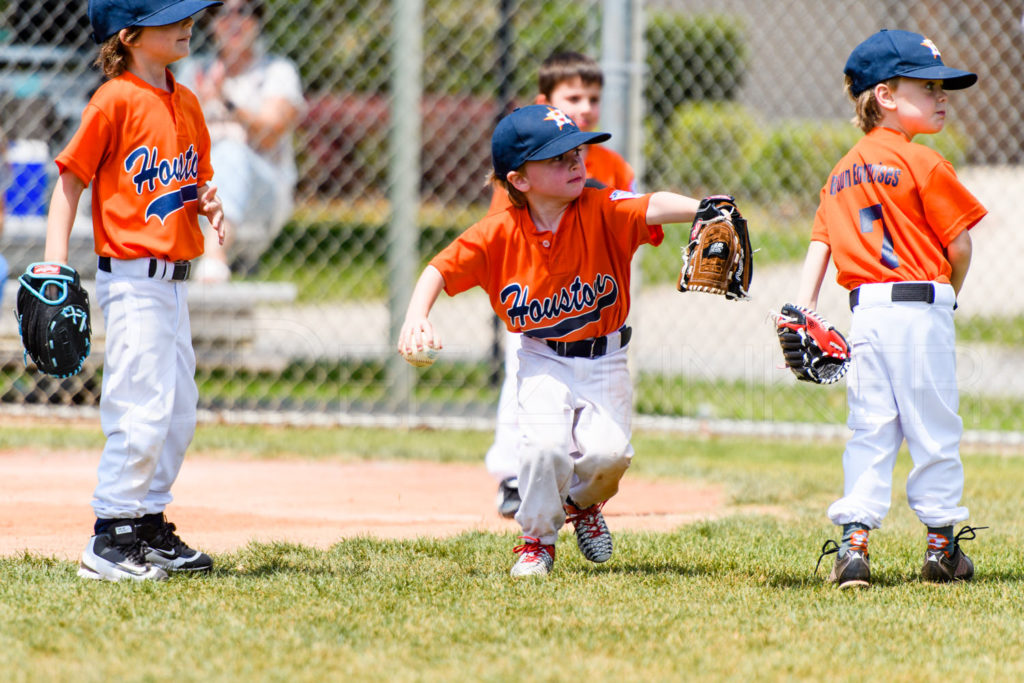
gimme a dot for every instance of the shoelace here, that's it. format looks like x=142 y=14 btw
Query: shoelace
x=136 y=552
x=968 y=530
x=826 y=550
x=531 y=549
x=166 y=538
x=588 y=520
x=962 y=534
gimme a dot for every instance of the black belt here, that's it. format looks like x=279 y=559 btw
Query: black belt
x=921 y=292
x=182 y=269
x=595 y=347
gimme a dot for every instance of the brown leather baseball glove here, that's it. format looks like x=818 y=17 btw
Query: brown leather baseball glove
x=718 y=258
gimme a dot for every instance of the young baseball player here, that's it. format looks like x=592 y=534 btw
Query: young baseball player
x=143 y=145
x=894 y=219
x=556 y=266
x=572 y=82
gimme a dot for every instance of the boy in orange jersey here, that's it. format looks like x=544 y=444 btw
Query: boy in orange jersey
x=556 y=266
x=572 y=82
x=144 y=146
x=894 y=219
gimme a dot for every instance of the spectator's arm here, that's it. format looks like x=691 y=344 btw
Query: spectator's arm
x=266 y=126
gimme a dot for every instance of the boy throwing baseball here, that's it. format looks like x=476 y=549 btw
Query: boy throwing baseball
x=144 y=147
x=556 y=266
x=572 y=82
x=894 y=219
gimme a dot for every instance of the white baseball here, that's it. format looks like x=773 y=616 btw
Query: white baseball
x=422 y=358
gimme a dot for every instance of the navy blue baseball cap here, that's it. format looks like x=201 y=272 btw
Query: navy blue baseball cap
x=110 y=16
x=889 y=54
x=533 y=133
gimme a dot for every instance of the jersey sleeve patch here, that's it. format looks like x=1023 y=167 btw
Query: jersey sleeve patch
x=623 y=194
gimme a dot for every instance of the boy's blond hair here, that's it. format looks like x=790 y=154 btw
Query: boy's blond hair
x=869 y=114
x=566 y=66
x=114 y=54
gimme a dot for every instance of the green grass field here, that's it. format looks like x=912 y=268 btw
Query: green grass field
x=731 y=599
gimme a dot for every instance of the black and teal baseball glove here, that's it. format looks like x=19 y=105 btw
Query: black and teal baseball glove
x=54 y=318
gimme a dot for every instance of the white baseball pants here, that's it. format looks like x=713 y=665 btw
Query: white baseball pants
x=502 y=460
x=902 y=385
x=575 y=417
x=148 y=404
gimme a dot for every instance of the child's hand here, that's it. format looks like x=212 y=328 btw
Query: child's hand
x=211 y=207
x=417 y=335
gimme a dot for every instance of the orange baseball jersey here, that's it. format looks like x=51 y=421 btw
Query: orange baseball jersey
x=565 y=286
x=603 y=165
x=146 y=152
x=889 y=210
x=608 y=168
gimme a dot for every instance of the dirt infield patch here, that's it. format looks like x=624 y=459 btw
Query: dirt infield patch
x=220 y=505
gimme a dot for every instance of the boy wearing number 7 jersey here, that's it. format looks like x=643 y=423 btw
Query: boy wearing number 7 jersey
x=894 y=219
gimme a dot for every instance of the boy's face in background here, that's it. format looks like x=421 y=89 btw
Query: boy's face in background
x=580 y=101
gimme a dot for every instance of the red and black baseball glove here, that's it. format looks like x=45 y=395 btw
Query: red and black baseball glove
x=814 y=350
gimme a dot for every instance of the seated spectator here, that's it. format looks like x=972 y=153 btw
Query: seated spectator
x=252 y=101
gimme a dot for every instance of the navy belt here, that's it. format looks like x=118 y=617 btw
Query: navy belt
x=920 y=292
x=157 y=268
x=594 y=347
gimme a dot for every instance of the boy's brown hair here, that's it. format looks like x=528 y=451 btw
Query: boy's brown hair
x=565 y=66
x=517 y=198
x=869 y=114
x=113 y=56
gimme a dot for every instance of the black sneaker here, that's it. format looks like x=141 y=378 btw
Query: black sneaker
x=166 y=550
x=508 y=498
x=118 y=554
x=592 y=535
x=852 y=570
x=942 y=566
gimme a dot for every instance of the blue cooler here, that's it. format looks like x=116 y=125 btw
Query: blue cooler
x=27 y=195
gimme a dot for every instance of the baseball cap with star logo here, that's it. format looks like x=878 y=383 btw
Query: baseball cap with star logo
x=110 y=16
x=533 y=133
x=889 y=54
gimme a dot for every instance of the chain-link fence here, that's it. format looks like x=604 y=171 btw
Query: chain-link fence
x=738 y=96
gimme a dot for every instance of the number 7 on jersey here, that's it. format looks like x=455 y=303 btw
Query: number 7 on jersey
x=868 y=216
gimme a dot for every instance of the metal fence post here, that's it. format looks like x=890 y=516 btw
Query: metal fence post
x=634 y=144
x=615 y=53
x=621 y=115
x=403 y=174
